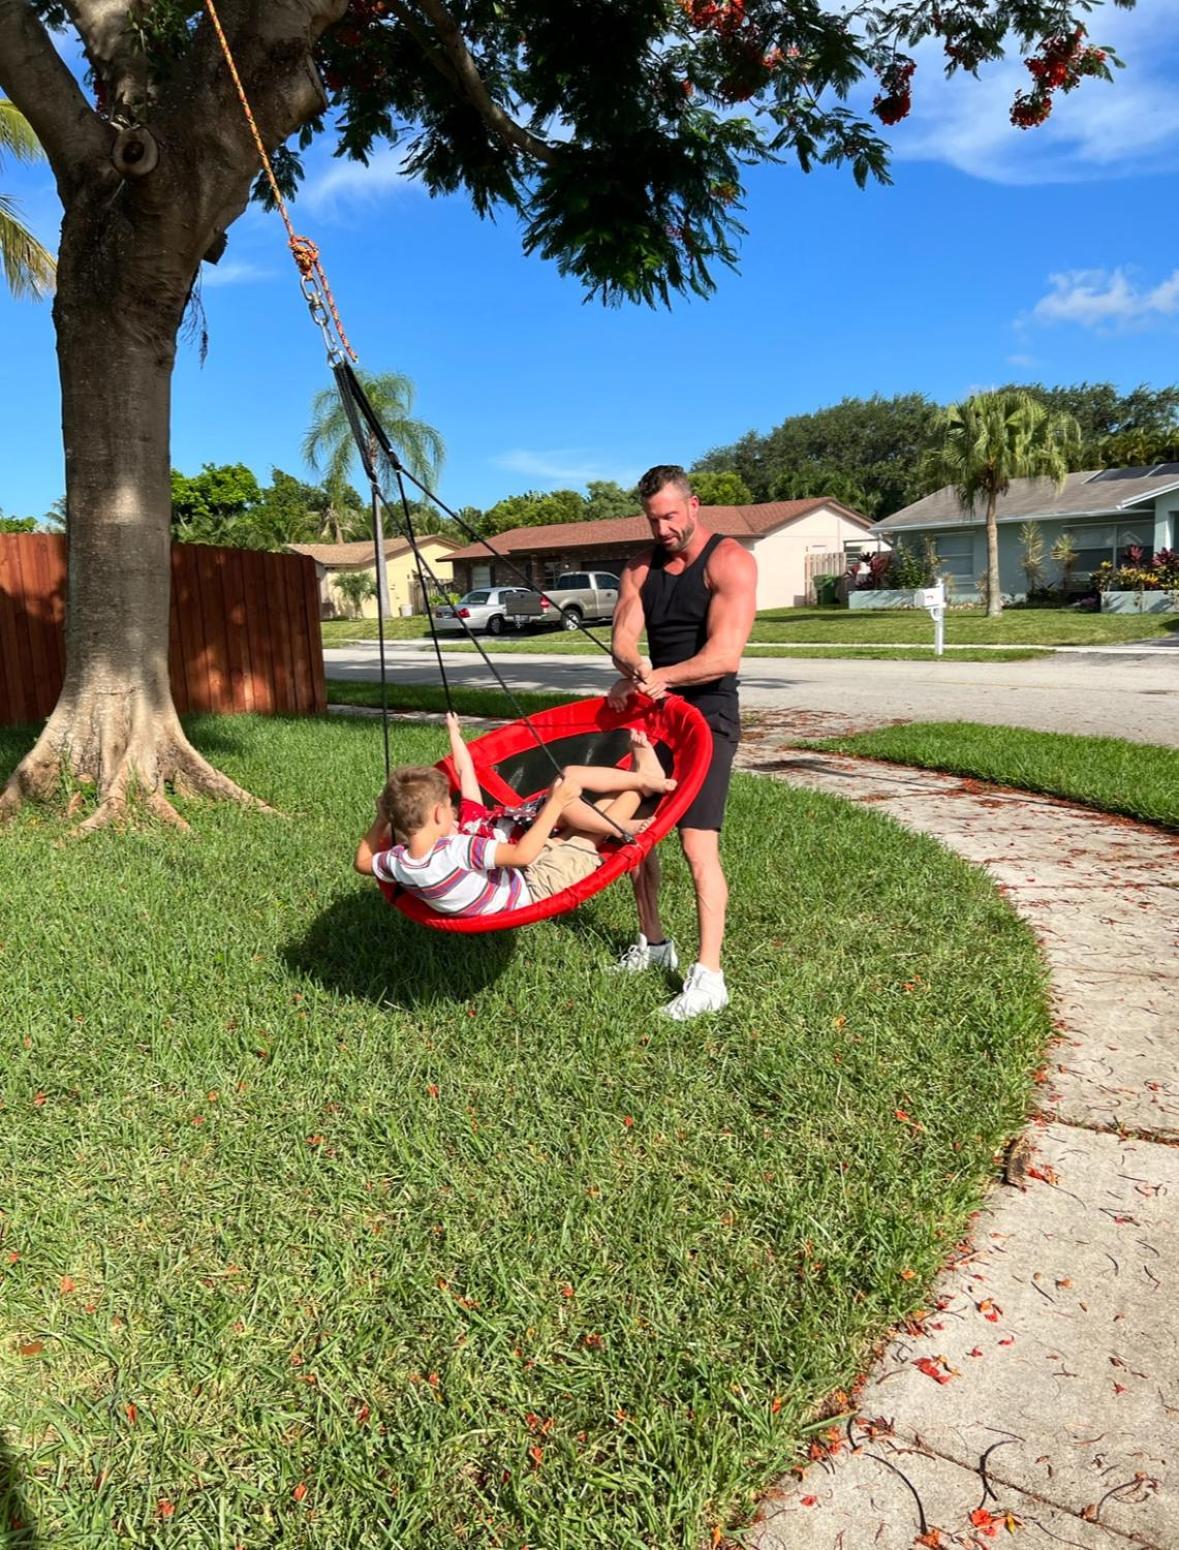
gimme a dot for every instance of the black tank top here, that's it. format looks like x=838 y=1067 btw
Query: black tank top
x=675 y=608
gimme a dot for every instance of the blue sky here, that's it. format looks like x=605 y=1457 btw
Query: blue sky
x=997 y=254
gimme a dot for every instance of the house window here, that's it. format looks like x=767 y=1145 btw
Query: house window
x=1093 y=546
x=551 y=570
x=480 y=575
x=955 y=552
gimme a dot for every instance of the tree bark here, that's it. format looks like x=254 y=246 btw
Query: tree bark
x=129 y=253
x=994 y=592
x=130 y=248
x=114 y=723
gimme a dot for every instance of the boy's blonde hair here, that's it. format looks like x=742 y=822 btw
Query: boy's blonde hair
x=409 y=794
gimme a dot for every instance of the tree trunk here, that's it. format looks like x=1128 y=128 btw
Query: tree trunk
x=120 y=300
x=994 y=591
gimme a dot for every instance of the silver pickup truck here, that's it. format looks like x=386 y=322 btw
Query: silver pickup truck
x=582 y=596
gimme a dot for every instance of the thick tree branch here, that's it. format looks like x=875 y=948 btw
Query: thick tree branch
x=37 y=79
x=465 y=74
x=113 y=49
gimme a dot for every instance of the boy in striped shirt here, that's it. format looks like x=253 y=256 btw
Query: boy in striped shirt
x=415 y=841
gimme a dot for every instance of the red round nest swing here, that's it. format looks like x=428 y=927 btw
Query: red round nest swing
x=511 y=768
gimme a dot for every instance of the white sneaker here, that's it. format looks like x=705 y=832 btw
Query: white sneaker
x=704 y=991
x=641 y=955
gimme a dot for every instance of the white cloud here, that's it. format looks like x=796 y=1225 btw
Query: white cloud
x=234 y=271
x=570 y=468
x=346 y=183
x=1100 y=298
x=1021 y=360
x=1099 y=130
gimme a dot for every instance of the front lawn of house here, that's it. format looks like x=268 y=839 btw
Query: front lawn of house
x=323 y=1230
x=839 y=627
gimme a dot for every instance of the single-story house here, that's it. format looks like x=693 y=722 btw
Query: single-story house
x=332 y=560
x=792 y=540
x=1105 y=512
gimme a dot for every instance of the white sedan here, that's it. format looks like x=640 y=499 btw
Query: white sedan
x=495 y=609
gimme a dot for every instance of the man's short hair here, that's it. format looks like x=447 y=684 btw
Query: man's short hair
x=409 y=795
x=663 y=474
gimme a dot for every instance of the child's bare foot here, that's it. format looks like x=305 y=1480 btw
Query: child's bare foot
x=646 y=763
x=633 y=826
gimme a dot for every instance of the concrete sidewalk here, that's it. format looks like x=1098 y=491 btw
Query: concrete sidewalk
x=1037 y=1404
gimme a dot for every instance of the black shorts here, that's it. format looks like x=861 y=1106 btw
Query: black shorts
x=707 y=809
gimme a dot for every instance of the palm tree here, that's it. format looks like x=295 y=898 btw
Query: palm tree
x=989 y=440
x=28 y=267
x=329 y=448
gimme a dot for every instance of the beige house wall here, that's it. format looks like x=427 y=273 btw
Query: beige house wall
x=400 y=569
x=781 y=556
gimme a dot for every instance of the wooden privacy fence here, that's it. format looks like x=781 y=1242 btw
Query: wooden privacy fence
x=823 y=565
x=244 y=632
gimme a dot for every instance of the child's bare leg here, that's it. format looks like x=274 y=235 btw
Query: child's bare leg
x=585 y=818
x=620 y=813
x=647 y=777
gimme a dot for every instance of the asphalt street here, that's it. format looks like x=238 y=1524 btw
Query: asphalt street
x=1107 y=693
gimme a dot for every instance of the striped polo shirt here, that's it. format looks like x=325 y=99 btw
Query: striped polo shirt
x=456 y=877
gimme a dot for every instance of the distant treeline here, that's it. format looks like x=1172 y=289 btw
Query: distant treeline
x=867 y=452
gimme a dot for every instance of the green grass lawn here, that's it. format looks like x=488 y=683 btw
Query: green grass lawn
x=323 y=1230
x=1111 y=773
x=431 y=697
x=965 y=627
x=577 y=646
x=338 y=632
x=841 y=627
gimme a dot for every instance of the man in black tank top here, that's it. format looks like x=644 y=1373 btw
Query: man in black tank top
x=695 y=594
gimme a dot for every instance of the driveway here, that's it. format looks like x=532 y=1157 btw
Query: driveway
x=1100 y=694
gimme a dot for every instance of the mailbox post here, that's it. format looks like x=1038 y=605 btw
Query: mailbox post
x=934 y=598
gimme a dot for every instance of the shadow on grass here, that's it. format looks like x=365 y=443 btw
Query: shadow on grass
x=361 y=947
x=17 y=1532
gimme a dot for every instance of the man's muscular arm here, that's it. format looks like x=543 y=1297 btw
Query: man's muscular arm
x=628 y=627
x=732 y=574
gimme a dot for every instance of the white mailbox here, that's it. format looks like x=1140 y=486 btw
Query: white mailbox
x=930 y=597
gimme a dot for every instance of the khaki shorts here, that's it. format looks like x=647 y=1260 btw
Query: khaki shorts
x=560 y=865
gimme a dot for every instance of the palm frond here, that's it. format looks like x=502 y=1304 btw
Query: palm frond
x=29 y=268
x=16 y=134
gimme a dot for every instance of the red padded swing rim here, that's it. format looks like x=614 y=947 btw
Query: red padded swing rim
x=672 y=721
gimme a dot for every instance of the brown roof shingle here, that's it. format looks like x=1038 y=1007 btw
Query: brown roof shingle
x=731 y=521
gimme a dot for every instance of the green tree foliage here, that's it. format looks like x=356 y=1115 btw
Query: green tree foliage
x=1140 y=447
x=17 y=524
x=214 y=506
x=289 y=511
x=605 y=499
x=28 y=266
x=985 y=443
x=357 y=586
x=868 y=452
x=862 y=451
x=1105 y=416
x=813 y=480
x=720 y=487
x=534 y=509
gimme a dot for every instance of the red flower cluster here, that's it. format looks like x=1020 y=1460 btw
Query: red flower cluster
x=1058 y=65
x=723 y=16
x=894 y=102
x=360 y=16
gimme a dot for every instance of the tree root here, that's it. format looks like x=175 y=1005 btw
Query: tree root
x=134 y=778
